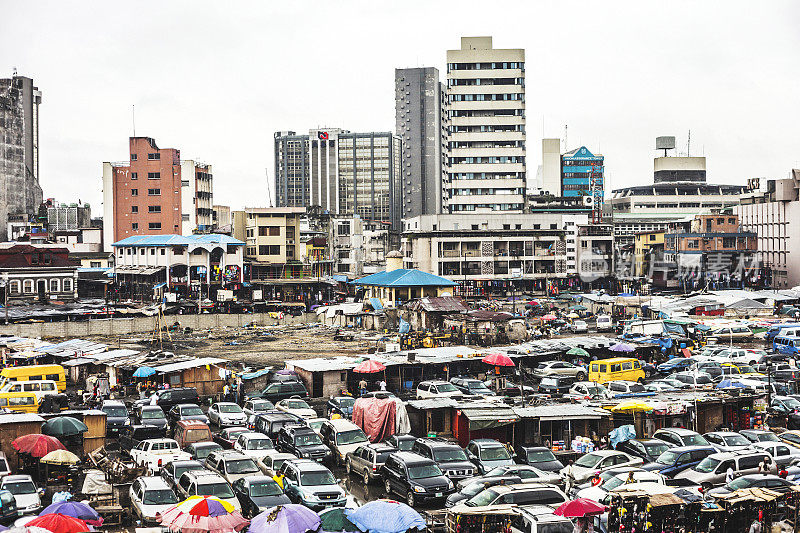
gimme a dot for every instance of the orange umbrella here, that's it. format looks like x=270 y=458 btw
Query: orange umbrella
x=37 y=445
x=59 y=523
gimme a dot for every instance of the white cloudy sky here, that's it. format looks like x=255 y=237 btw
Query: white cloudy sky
x=217 y=79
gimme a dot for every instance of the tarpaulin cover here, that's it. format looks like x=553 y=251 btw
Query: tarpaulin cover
x=621 y=434
x=376 y=417
x=402 y=425
x=673 y=328
x=95 y=483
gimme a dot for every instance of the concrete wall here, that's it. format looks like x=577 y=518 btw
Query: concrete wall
x=123 y=326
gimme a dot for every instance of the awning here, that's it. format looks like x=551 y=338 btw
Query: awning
x=491 y=417
x=139 y=270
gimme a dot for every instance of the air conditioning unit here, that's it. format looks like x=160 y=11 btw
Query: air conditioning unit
x=588 y=200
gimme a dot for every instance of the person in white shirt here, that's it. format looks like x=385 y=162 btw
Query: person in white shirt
x=382 y=385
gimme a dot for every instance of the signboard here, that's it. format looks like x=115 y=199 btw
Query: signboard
x=224 y=295
x=257 y=294
x=516 y=272
x=170 y=297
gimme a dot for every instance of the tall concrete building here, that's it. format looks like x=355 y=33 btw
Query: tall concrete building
x=577 y=172
x=155 y=193
x=486 y=138
x=421 y=124
x=341 y=172
x=20 y=192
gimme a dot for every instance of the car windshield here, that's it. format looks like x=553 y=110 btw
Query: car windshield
x=259 y=444
x=746 y=369
x=296 y=404
x=424 y=471
x=405 y=445
x=694 y=440
x=159 y=497
x=220 y=490
x=613 y=483
x=595 y=390
x=204 y=451
x=263 y=406
x=767 y=437
x=3 y=465
x=476 y=385
x=118 y=412
x=709 y=464
x=740 y=483
x=322 y=477
x=791 y=403
x=152 y=414
x=541 y=456
x=197 y=435
x=655 y=449
x=485 y=497
x=230 y=408
x=191 y=411
x=472 y=489
x=307 y=439
x=456 y=454
x=495 y=453
x=549 y=381
x=315 y=424
x=19 y=487
x=735 y=440
x=353 y=436
x=179 y=470
x=446 y=387
x=241 y=466
x=589 y=460
x=265 y=488
x=346 y=402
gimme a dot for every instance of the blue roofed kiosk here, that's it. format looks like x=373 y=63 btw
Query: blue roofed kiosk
x=397 y=285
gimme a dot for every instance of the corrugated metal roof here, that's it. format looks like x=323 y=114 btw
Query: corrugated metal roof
x=17 y=418
x=404 y=277
x=433 y=403
x=496 y=412
x=178 y=240
x=191 y=363
x=561 y=411
x=443 y=303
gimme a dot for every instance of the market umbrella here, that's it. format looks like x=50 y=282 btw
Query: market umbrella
x=573 y=315
x=578 y=351
x=333 y=519
x=623 y=347
x=289 y=518
x=203 y=514
x=64 y=426
x=498 y=359
x=59 y=523
x=26 y=529
x=548 y=317
x=369 y=366
x=144 y=372
x=77 y=510
x=60 y=457
x=730 y=384
x=580 y=507
x=578 y=307
x=385 y=516
x=36 y=444
x=632 y=406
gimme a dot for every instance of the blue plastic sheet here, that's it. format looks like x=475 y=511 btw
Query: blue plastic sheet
x=621 y=434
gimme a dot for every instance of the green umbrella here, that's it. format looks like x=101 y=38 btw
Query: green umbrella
x=578 y=308
x=333 y=519
x=64 y=426
x=578 y=351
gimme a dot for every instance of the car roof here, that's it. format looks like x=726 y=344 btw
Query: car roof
x=205 y=444
x=257 y=479
x=434 y=382
x=410 y=457
x=606 y=453
x=189 y=423
x=113 y=402
x=184 y=405
x=723 y=433
x=197 y=474
x=154 y=482
x=18 y=477
x=735 y=453
x=437 y=442
x=693 y=447
x=503 y=489
x=679 y=431
x=487 y=442
x=226 y=403
x=307 y=464
x=341 y=423
x=380 y=446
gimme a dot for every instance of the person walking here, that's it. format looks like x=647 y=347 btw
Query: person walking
x=729 y=475
x=382 y=385
x=362 y=386
x=569 y=476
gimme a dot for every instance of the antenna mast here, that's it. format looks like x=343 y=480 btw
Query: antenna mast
x=133 y=117
x=689 y=144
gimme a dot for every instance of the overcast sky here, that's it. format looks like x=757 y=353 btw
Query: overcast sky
x=217 y=79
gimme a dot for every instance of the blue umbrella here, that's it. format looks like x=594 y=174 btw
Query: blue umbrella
x=385 y=516
x=730 y=384
x=144 y=372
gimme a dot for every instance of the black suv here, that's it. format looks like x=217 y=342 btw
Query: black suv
x=417 y=478
x=450 y=457
x=276 y=392
x=303 y=442
x=271 y=423
x=166 y=399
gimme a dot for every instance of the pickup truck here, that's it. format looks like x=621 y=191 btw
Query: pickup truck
x=131 y=436
x=155 y=453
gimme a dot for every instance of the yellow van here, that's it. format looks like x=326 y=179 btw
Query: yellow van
x=616 y=369
x=35 y=373
x=25 y=402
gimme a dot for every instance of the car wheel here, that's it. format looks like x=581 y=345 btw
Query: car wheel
x=348 y=468
x=410 y=498
x=580 y=376
x=366 y=477
x=387 y=487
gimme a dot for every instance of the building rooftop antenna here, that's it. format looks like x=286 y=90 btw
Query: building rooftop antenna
x=689 y=144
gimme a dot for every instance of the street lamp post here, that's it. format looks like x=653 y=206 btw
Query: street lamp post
x=5 y=294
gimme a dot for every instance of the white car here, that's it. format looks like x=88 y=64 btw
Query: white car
x=604 y=323
x=599 y=461
x=253 y=408
x=737 y=356
x=269 y=464
x=151 y=496
x=254 y=445
x=315 y=423
x=600 y=492
x=579 y=326
x=153 y=453
x=26 y=495
x=226 y=414
x=297 y=407
x=782 y=453
x=589 y=390
x=433 y=389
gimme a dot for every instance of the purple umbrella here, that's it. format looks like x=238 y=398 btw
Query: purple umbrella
x=286 y=372
x=75 y=510
x=289 y=518
x=622 y=347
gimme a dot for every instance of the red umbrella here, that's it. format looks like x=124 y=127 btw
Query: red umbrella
x=369 y=366
x=580 y=507
x=37 y=445
x=498 y=359
x=549 y=317
x=59 y=523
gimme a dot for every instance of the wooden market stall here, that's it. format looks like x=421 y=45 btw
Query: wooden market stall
x=13 y=425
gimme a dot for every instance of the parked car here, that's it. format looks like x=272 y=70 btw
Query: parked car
x=254 y=445
x=676 y=364
x=578 y=326
x=471 y=386
x=342 y=436
x=206 y=483
x=526 y=473
x=231 y=465
x=150 y=415
x=276 y=392
x=418 y=479
x=130 y=437
x=599 y=461
x=539 y=457
x=525 y=494
x=759 y=435
x=166 y=399
x=8 y=507
x=200 y=450
x=765 y=481
x=782 y=454
x=4 y=468
x=227 y=437
x=150 y=496
x=366 y=460
x=186 y=411
x=257 y=494
x=341 y=405
x=227 y=414
x=712 y=368
x=172 y=471
x=403 y=443
x=271 y=464
x=296 y=407
x=271 y=423
x=678 y=459
x=790 y=437
x=152 y=454
x=648 y=450
x=589 y=390
x=450 y=457
x=711 y=470
x=315 y=423
x=788 y=407
x=488 y=454
x=117 y=416
x=303 y=442
x=620 y=387
x=187 y=432
x=311 y=484
x=433 y=389
x=680 y=437
x=726 y=441
x=555 y=385
x=253 y=408
x=28 y=498
x=604 y=323
x=540 y=519
x=695 y=380
x=472 y=488
x=728 y=333
x=560 y=368
x=600 y=492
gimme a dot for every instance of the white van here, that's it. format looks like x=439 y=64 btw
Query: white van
x=40 y=388
x=604 y=323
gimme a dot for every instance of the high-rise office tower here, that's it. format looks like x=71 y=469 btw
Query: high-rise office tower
x=419 y=96
x=486 y=140
x=20 y=192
